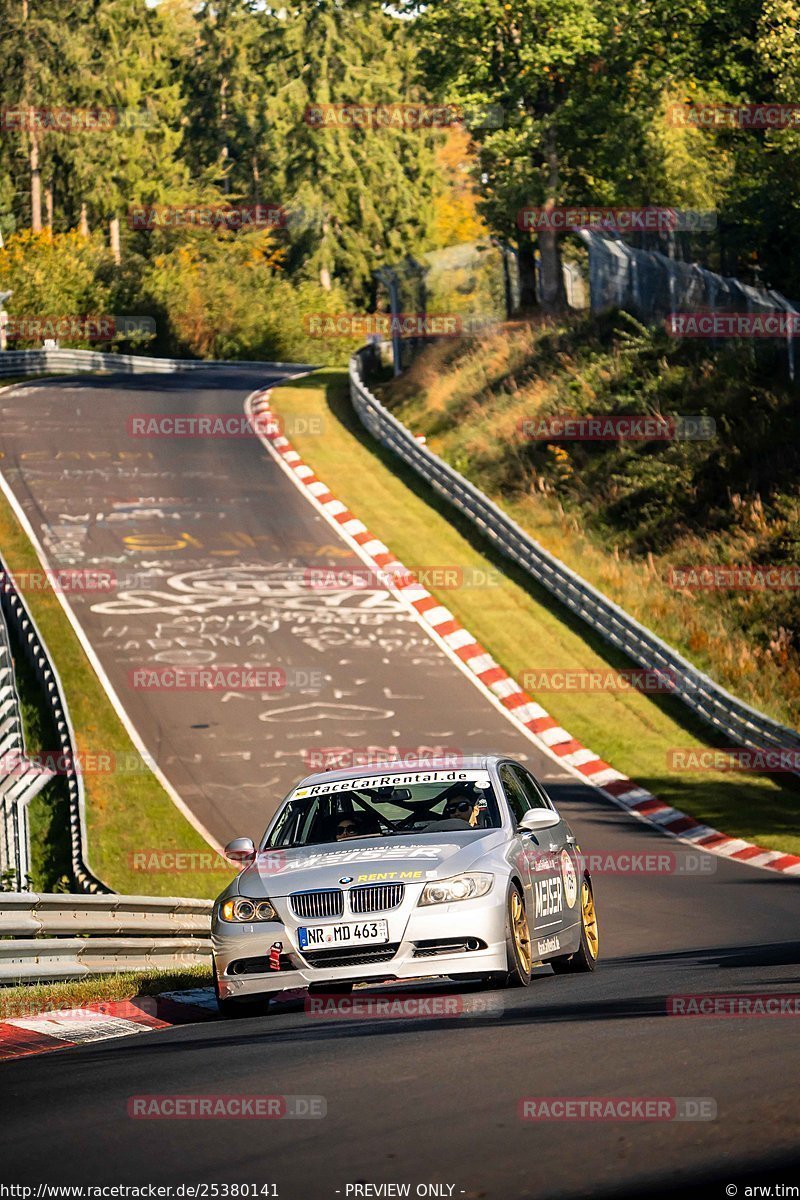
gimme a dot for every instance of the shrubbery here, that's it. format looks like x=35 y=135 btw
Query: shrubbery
x=62 y=275
x=227 y=296
x=212 y=295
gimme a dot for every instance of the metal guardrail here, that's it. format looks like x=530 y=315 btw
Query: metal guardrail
x=20 y=780
x=707 y=699
x=49 y=937
x=29 y=362
x=18 y=617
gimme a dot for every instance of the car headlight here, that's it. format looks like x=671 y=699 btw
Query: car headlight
x=241 y=909
x=459 y=887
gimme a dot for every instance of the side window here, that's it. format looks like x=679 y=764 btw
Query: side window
x=535 y=789
x=515 y=793
x=284 y=831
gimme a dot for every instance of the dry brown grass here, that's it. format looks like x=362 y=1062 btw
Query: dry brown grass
x=469 y=404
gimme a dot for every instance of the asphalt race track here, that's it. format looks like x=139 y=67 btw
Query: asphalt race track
x=223 y=538
x=211 y=545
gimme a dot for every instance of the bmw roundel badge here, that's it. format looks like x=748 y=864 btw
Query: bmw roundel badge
x=346 y=879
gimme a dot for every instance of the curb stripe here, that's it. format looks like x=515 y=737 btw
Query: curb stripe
x=526 y=713
x=58 y=1029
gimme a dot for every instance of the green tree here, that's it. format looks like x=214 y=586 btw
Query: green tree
x=360 y=197
x=586 y=92
x=767 y=200
x=227 y=81
x=126 y=67
x=529 y=60
x=38 y=47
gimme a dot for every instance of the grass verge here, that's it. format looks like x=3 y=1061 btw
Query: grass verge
x=524 y=627
x=48 y=812
x=126 y=812
x=27 y=998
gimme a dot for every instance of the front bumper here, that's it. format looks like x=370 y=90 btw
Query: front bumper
x=480 y=921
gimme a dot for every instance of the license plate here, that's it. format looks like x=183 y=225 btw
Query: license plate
x=318 y=937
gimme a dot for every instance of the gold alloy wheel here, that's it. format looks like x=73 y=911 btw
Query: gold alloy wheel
x=589 y=917
x=521 y=932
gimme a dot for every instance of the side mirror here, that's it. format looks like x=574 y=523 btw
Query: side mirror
x=241 y=850
x=539 y=818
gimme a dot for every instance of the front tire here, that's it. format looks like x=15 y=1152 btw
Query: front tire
x=585 y=957
x=519 y=955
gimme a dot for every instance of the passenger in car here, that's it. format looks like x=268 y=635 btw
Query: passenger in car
x=462 y=807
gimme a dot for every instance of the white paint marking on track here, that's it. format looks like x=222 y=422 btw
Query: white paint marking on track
x=100 y=671
x=78 y=1028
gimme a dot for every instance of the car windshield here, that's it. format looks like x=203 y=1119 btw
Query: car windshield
x=387 y=806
